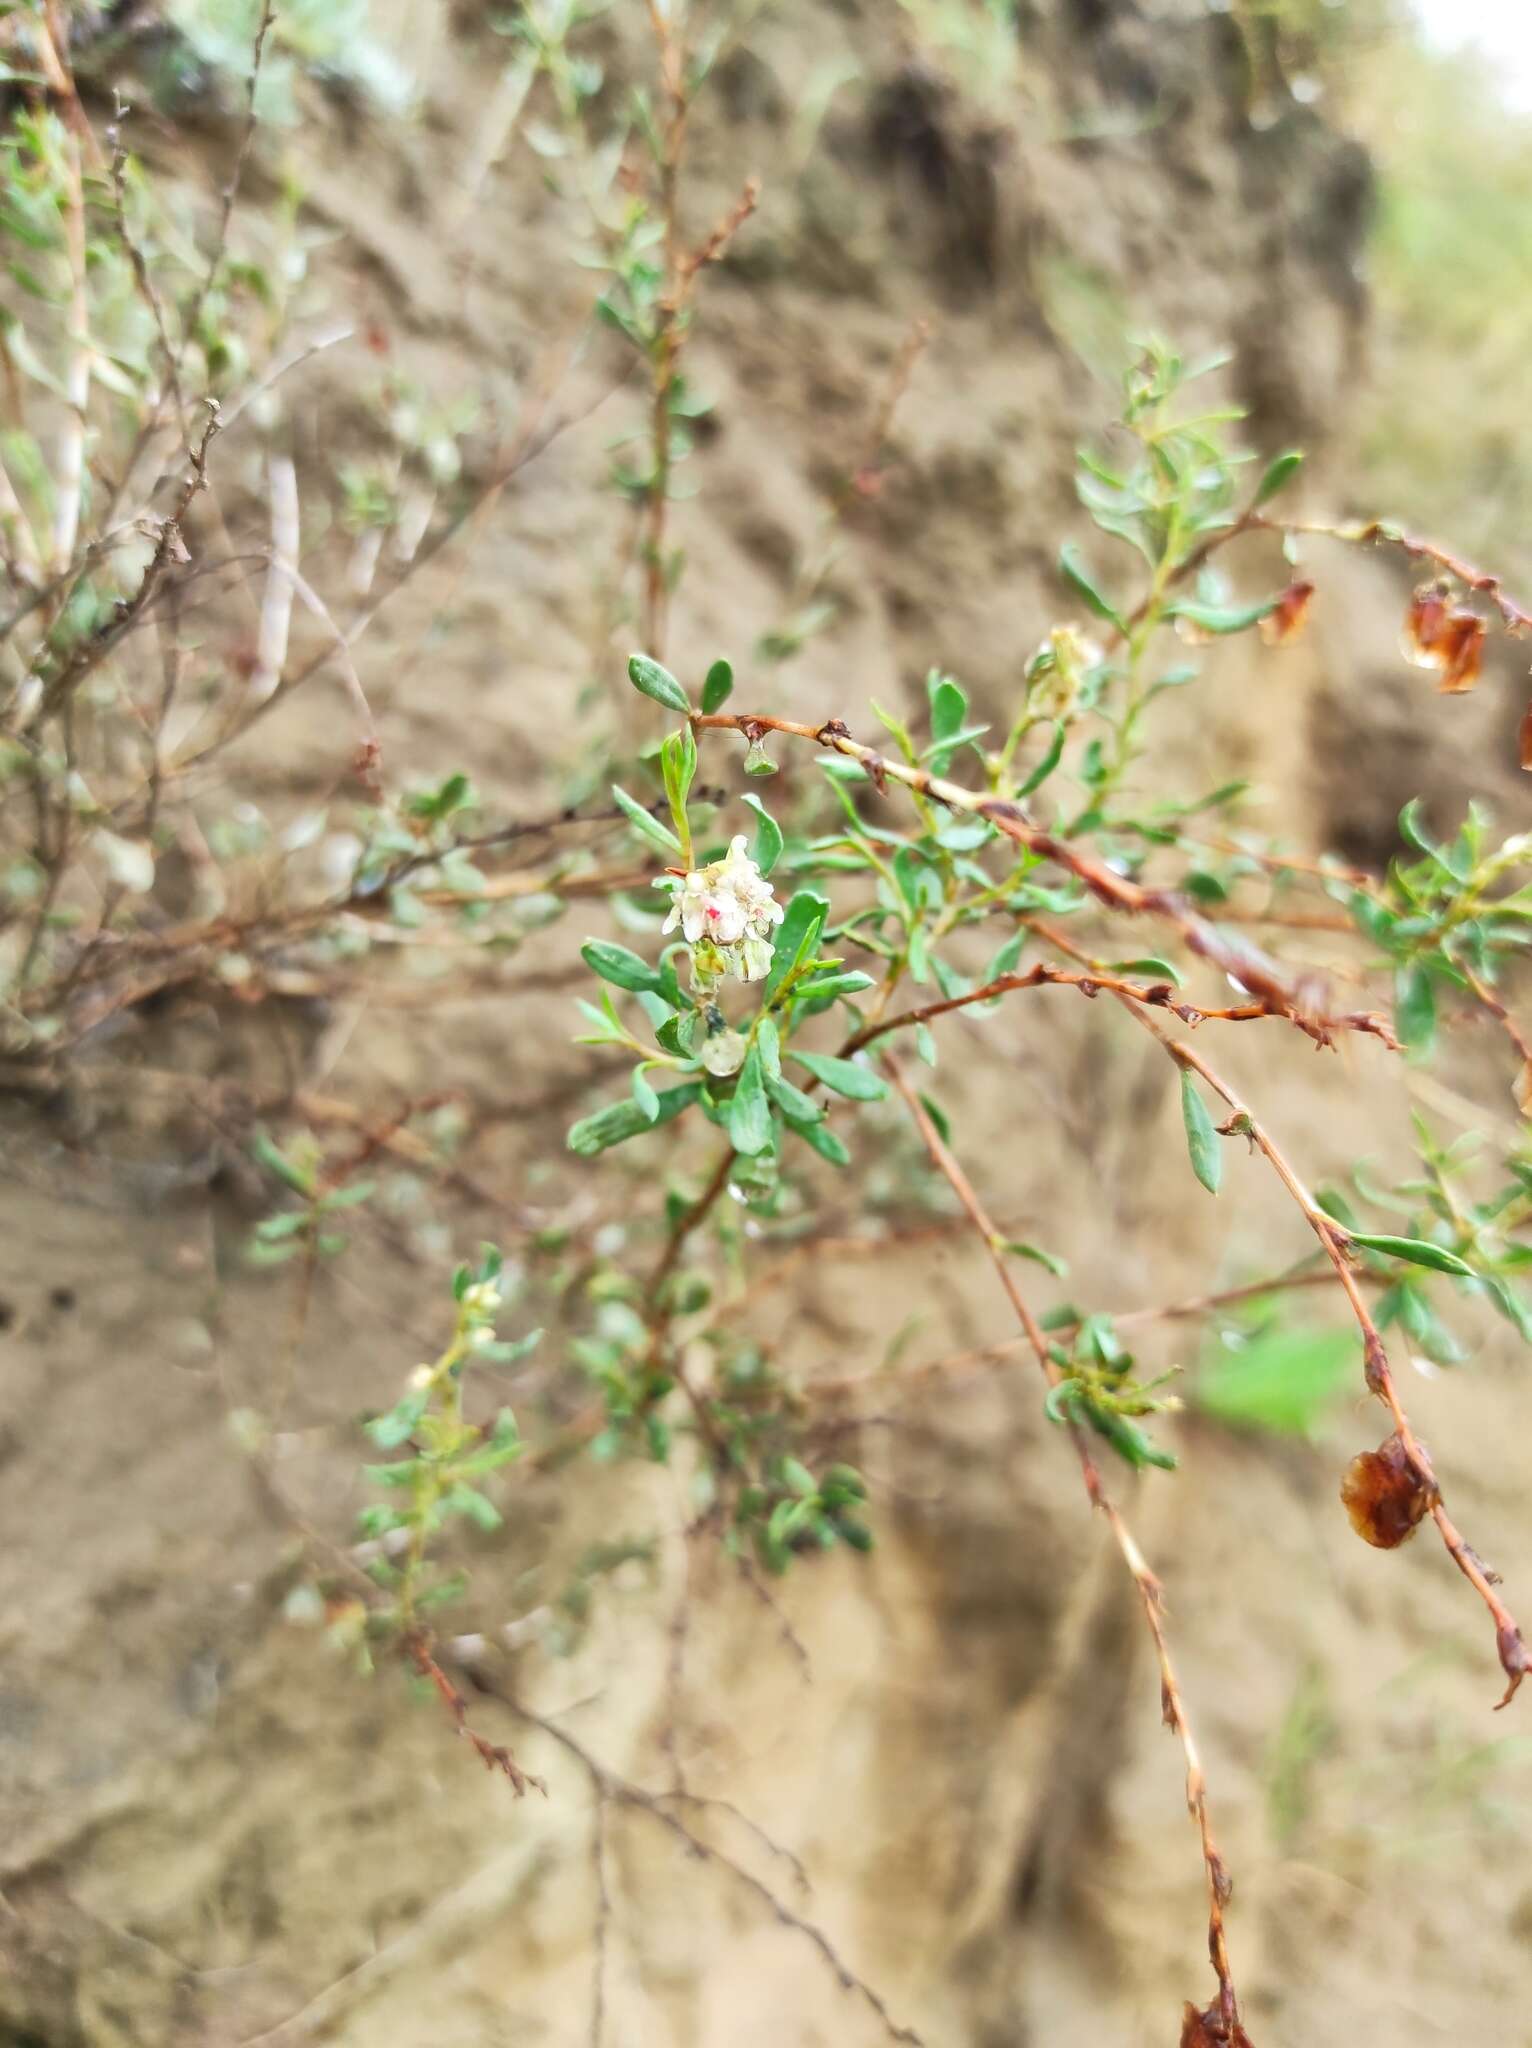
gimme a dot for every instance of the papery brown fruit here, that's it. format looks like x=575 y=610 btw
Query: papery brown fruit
x=1423 y=624
x=1462 y=652
x=1287 y=621
x=1207 y=2030
x=1449 y=638
x=1384 y=1494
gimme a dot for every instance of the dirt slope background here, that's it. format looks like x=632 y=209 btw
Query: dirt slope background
x=215 y=1831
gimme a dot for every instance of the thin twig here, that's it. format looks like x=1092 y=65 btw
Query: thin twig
x=1153 y=995
x=141 y=277
x=606 y=1784
x=494 y=1755
x=169 y=549
x=231 y=188
x=1172 y=1705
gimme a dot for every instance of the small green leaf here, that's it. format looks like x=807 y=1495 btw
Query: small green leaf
x=797 y=1107
x=1222 y=618
x=398 y=1425
x=678 y=766
x=1413 y=832
x=1151 y=963
x=1073 y=570
x=1056 y=1266
x=276 y=1161
x=897 y=728
x=846 y=1077
x=291 y=1223
x=1129 y=1441
x=1048 y=763
x=644 y=1095
x=1281 y=1380
x=467 y=1500
x=659 y=836
x=769 y=1040
x=1201 y=1137
x=1418 y=1250
x=938 y=1117
x=1279 y=473
x=621 y=967
x=619 y=1121
x=798 y=1476
x=820 y=1138
x=949 y=705
x=1424 y=1327
x=949 y=711
x=658 y=683
x=795 y=937
x=818 y=987
x=717 y=686
x=749 y=1116
x=1415 y=1008
x=766 y=848
x=1334 y=1203
x=1008 y=958
x=1511 y=1306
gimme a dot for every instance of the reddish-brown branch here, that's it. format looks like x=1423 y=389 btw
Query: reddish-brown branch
x=494 y=1755
x=1153 y=995
x=1514 y=617
x=1172 y=1705
x=1303 y=997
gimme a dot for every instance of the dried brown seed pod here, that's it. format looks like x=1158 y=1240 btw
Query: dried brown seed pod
x=1287 y=621
x=1449 y=638
x=1386 y=1494
x=1209 y=2030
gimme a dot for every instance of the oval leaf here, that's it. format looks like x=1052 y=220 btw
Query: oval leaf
x=622 y=1120
x=717 y=686
x=844 y=1076
x=766 y=847
x=658 y=683
x=1072 y=569
x=617 y=965
x=1415 y=1008
x=1222 y=618
x=1151 y=963
x=1048 y=763
x=659 y=836
x=1279 y=473
x=749 y=1115
x=1201 y=1137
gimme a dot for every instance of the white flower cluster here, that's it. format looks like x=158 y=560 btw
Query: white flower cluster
x=726 y=912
